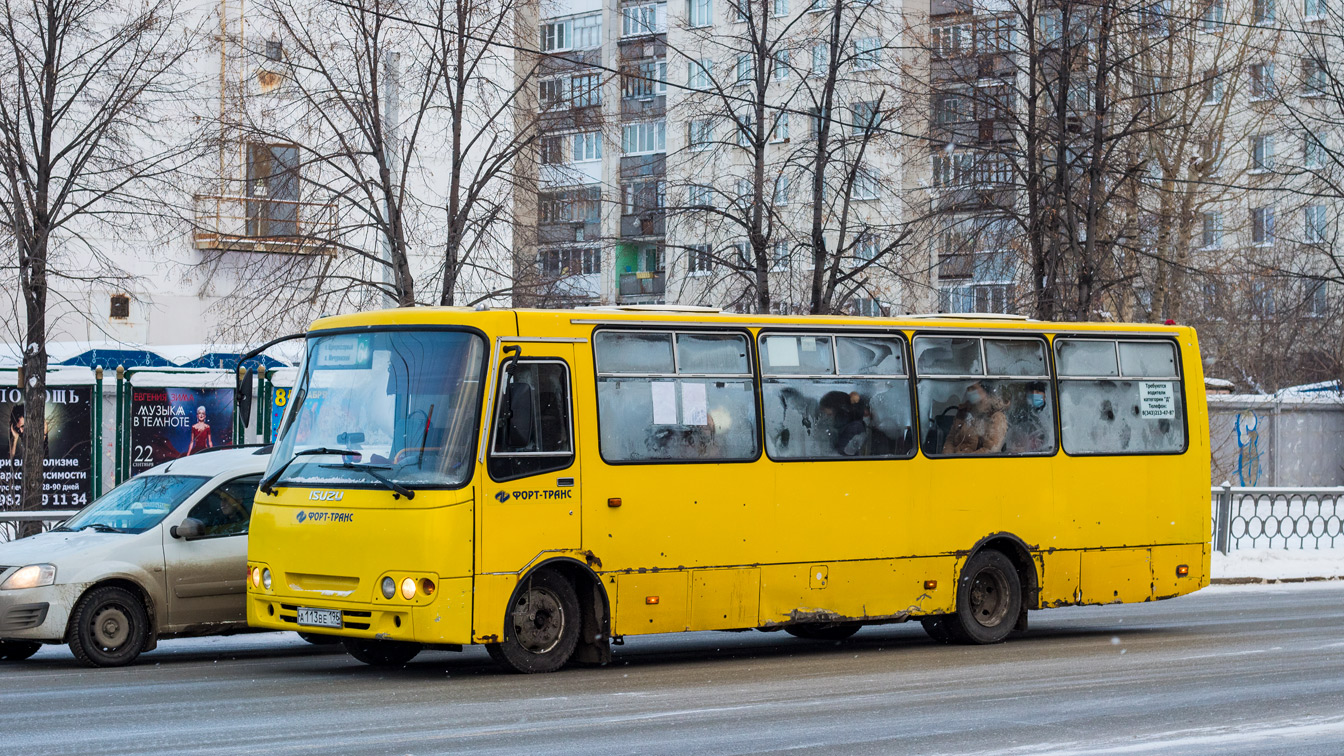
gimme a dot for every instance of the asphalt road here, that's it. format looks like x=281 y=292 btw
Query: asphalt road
x=1226 y=671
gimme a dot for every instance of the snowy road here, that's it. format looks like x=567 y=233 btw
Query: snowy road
x=1229 y=670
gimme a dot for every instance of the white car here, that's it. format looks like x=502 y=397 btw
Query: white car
x=162 y=555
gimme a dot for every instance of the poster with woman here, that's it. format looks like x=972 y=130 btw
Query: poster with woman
x=168 y=423
x=67 y=463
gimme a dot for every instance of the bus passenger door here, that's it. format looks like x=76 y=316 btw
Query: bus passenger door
x=531 y=504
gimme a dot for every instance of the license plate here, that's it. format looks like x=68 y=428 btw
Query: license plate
x=319 y=617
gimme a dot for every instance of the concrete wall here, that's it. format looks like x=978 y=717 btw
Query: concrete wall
x=1269 y=441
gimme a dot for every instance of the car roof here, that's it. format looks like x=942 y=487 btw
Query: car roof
x=217 y=461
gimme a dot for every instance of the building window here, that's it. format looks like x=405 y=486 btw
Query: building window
x=555 y=36
x=746 y=69
x=950 y=40
x=552 y=92
x=779 y=256
x=699 y=260
x=582 y=205
x=119 y=307
x=1262 y=81
x=746 y=130
x=740 y=10
x=781 y=63
x=866 y=116
x=865 y=184
x=644 y=197
x=949 y=109
x=571 y=262
x=587 y=31
x=645 y=79
x=697 y=73
x=1213 y=87
x=866 y=246
x=585 y=90
x=1313 y=9
x=700 y=134
x=552 y=150
x=1213 y=16
x=275 y=50
x=1262 y=11
x=1315 y=226
x=1262 y=225
x=782 y=193
x=821 y=58
x=994 y=36
x=644 y=138
x=650 y=18
x=1262 y=153
x=1317 y=304
x=781 y=131
x=867 y=53
x=587 y=146
x=272 y=190
x=1313 y=151
x=780 y=8
x=700 y=196
x=700 y=12
x=1314 y=81
x=1212 y=237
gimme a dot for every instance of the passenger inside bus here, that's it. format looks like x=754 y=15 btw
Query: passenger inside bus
x=980 y=425
x=1031 y=428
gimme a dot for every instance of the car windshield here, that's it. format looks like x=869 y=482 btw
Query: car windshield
x=136 y=505
x=405 y=403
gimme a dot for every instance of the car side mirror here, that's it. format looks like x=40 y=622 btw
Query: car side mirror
x=190 y=529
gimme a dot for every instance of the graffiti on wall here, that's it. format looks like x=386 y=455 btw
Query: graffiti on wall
x=1248 y=448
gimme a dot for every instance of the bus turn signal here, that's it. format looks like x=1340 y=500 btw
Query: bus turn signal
x=1182 y=570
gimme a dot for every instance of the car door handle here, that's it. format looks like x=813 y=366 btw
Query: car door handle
x=565 y=482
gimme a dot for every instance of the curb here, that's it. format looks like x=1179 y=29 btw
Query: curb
x=1271 y=581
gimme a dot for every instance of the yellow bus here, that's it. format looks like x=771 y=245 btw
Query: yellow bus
x=548 y=482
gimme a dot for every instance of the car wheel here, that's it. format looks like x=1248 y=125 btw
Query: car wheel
x=17 y=650
x=382 y=653
x=541 y=626
x=109 y=627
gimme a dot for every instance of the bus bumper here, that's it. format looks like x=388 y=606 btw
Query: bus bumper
x=444 y=620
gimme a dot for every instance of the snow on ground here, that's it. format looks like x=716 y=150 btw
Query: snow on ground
x=1278 y=564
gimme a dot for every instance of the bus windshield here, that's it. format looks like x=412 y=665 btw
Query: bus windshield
x=404 y=404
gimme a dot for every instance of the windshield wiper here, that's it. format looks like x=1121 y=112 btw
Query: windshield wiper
x=104 y=528
x=372 y=472
x=268 y=485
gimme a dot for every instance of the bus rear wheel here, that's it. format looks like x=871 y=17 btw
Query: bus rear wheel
x=829 y=631
x=989 y=599
x=541 y=625
x=381 y=653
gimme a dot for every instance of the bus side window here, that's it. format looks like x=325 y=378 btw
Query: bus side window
x=699 y=406
x=1120 y=397
x=532 y=423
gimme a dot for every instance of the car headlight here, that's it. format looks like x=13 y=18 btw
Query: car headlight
x=32 y=576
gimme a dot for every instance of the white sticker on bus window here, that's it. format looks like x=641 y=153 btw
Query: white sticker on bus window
x=783 y=351
x=1156 y=401
x=809 y=343
x=693 y=409
x=664 y=402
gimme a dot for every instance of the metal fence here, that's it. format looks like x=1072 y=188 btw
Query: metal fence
x=9 y=521
x=1277 y=518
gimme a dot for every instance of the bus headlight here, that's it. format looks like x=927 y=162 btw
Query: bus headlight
x=32 y=576
x=389 y=587
x=408 y=588
x=266 y=578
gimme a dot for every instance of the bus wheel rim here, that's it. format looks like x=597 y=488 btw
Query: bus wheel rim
x=538 y=620
x=989 y=598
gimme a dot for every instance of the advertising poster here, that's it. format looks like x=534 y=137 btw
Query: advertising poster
x=279 y=400
x=67 y=479
x=168 y=423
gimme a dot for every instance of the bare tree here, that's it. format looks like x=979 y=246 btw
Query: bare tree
x=83 y=135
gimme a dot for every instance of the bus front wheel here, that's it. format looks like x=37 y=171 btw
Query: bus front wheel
x=541 y=626
x=381 y=653
x=989 y=599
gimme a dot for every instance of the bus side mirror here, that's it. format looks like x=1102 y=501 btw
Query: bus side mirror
x=245 y=394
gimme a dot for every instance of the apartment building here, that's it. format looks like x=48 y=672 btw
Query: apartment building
x=677 y=145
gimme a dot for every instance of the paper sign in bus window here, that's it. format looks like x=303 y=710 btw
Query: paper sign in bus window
x=664 y=402
x=783 y=351
x=1156 y=400
x=693 y=409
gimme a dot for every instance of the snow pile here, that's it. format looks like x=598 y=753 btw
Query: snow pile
x=1278 y=564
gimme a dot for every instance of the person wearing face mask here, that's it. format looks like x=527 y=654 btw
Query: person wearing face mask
x=1030 y=425
x=980 y=426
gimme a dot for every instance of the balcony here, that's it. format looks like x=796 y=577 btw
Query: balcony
x=251 y=224
x=646 y=223
x=643 y=287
